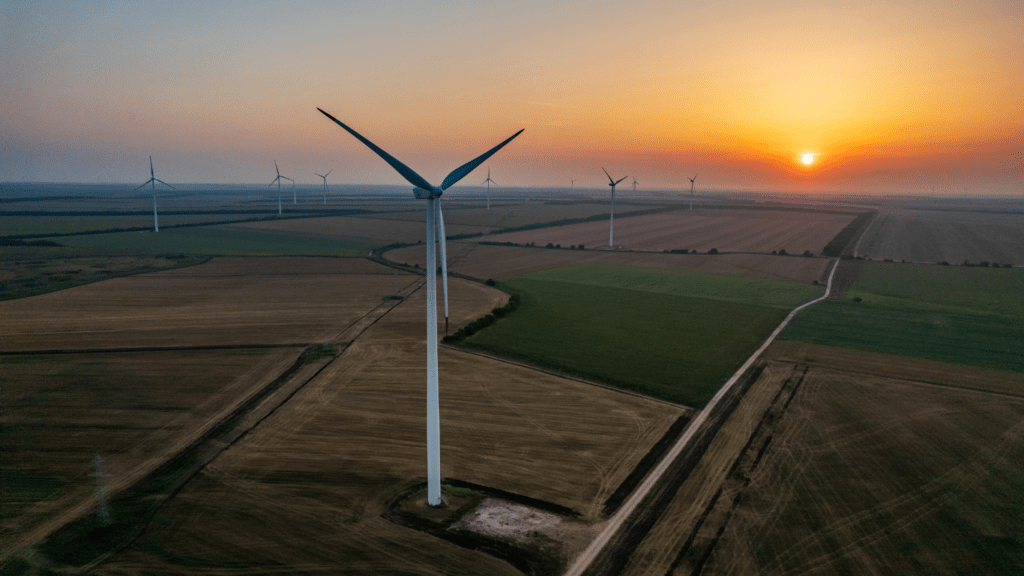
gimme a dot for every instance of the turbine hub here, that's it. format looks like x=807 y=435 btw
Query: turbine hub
x=424 y=194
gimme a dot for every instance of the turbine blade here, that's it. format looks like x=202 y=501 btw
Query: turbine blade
x=328 y=172
x=164 y=183
x=610 y=179
x=276 y=169
x=410 y=176
x=287 y=178
x=462 y=171
x=274 y=181
x=146 y=183
x=151 y=175
x=621 y=179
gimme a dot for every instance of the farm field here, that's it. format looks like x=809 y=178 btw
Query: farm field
x=943 y=235
x=226 y=240
x=225 y=302
x=49 y=269
x=667 y=334
x=725 y=230
x=966 y=315
x=502 y=262
x=367 y=230
x=58 y=224
x=131 y=408
x=508 y=215
x=306 y=489
x=871 y=475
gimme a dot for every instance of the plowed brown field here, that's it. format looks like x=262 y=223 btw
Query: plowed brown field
x=227 y=301
x=860 y=474
x=936 y=236
x=726 y=230
x=384 y=231
x=305 y=490
x=499 y=262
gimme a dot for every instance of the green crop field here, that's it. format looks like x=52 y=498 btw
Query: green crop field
x=215 y=240
x=668 y=334
x=965 y=315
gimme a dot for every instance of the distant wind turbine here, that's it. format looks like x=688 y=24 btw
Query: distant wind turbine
x=634 y=184
x=489 y=182
x=434 y=219
x=611 y=220
x=153 y=180
x=691 y=190
x=572 y=185
x=278 y=180
x=324 y=176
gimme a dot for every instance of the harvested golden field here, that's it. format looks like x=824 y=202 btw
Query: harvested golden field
x=227 y=301
x=134 y=409
x=499 y=262
x=868 y=474
x=380 y=230
x=726 y=230
x=306 y=489
x=943 y=235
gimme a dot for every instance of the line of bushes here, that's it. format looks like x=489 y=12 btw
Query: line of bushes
x=485 y=321
x=837 y=245
x=594 y=218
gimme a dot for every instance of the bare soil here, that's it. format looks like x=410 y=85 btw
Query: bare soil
x=943 y=235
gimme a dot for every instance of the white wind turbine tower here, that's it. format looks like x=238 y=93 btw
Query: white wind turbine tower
x=572 y=185
x=153 y=180
x=425 y=191
x=489 y=182
x=324 y=176
x=611 y=220
x=691 y=190
x=278 y=180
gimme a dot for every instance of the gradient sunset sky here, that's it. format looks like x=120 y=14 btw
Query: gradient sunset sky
x=901 y=96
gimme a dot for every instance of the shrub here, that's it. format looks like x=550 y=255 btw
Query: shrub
x=783 y=252
x=943 y=263
x=581 y=246
x=558 y=245
x=550 y=245
x=713 y=251
x=489 y=282
x=808 y=254
x=857 y=299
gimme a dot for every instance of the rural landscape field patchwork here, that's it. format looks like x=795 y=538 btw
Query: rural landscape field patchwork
x=247 y=396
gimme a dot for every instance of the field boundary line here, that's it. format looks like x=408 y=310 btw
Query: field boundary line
x=583 y=561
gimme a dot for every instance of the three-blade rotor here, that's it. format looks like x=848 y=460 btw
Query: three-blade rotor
x=611 y=181
x=410 y=175
x=152 y=179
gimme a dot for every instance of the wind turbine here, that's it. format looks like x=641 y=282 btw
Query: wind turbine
x=425 y=191
x=278 y=180
x=691 y=191
x=153 y=180
x=611 y=220
x=489 y=182
x=324 y=176
x=572 y=185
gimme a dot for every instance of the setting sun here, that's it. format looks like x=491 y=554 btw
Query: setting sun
x=808 y=158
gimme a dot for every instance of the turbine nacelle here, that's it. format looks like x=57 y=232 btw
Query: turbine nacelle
x=424 y=194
